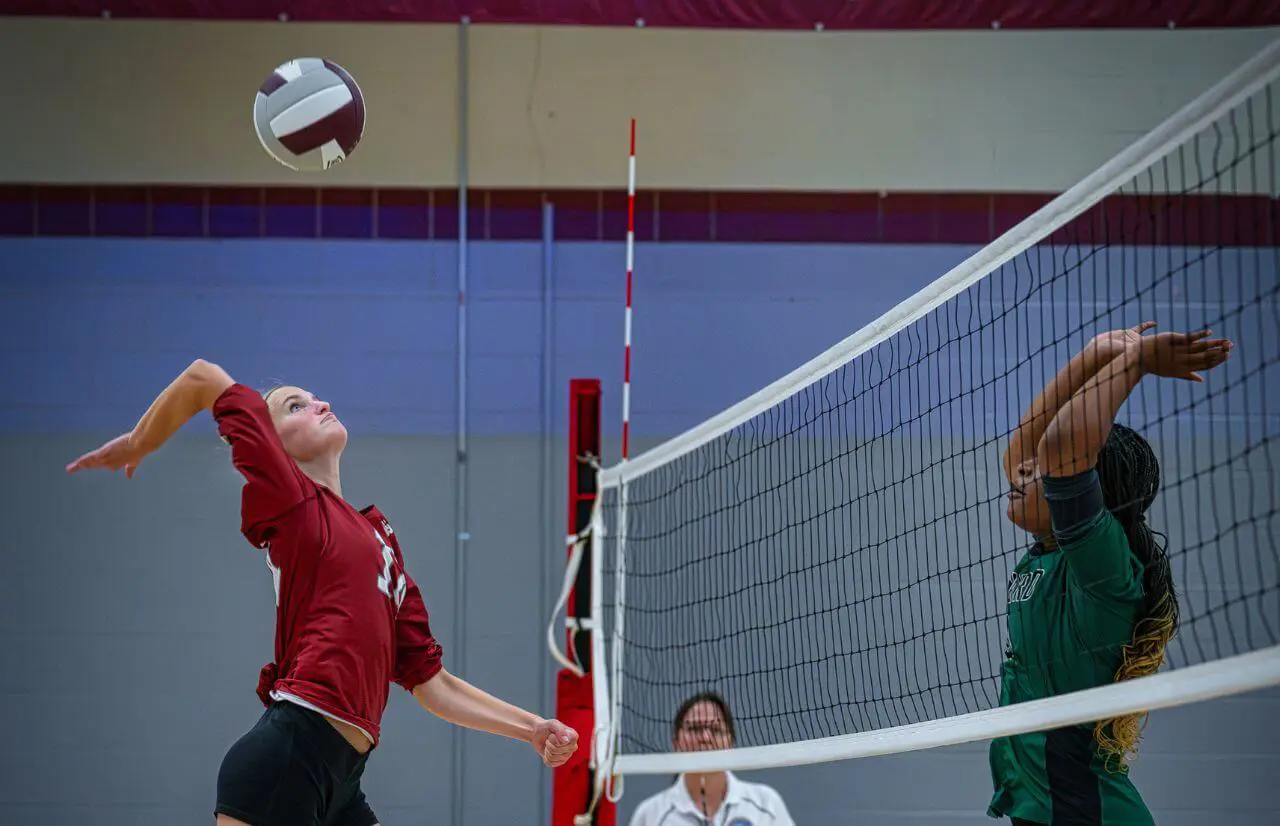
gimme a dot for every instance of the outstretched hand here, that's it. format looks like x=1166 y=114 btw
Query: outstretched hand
x=554 y=741
x=1181 y=355
x=1113 y=343
x=121 y=452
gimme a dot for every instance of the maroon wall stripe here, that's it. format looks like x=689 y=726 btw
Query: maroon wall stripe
x=781 y=14
x=17 y=210
x=600 y=215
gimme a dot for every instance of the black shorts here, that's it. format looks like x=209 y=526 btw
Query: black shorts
x=293 y=769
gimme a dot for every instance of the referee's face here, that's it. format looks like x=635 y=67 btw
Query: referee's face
x=1026 y=507
x=703 y=729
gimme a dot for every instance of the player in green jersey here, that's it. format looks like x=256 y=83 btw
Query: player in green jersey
x=1093 y=601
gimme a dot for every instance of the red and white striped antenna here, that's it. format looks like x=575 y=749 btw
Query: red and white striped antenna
x=631 y=246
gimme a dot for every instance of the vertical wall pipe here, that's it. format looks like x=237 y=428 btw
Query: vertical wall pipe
x=550 y=553
x=462 y=534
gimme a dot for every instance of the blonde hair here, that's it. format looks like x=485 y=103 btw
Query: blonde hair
x=1118 y=737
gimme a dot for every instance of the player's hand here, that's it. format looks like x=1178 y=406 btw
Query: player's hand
x=121 y=452
x=555 y=742
x=1181 y=355
x=1113 y=343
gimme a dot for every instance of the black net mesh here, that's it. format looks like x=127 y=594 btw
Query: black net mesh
x=841 y=562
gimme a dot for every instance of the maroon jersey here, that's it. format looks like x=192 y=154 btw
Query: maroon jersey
x=349 y=619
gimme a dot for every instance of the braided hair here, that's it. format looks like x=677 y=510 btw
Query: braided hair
x=1130 y=477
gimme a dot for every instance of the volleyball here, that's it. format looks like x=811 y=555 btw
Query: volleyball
x=309 y=114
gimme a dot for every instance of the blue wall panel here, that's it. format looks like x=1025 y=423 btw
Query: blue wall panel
x=90 y=329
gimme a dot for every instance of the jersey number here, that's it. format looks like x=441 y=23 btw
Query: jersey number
x=384 y=580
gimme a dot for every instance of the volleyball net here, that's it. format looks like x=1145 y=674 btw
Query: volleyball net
x=832 y=553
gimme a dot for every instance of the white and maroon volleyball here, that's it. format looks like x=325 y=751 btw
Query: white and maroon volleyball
x=309 y=114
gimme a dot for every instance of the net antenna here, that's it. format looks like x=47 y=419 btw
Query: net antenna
x=626 y=325
x=611 y=779
x=823 y=552
x=608 y=785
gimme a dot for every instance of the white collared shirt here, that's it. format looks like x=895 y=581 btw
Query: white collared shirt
x=745 y=804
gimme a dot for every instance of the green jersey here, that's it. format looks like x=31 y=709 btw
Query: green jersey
x=1071 y=611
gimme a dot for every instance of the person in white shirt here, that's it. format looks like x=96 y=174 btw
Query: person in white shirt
x=704 y=723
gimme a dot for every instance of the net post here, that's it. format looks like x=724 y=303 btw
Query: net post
x=599 y=685
x=619 y=612
x=573 y=800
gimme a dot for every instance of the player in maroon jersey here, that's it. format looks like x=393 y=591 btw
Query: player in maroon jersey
x=349 y=618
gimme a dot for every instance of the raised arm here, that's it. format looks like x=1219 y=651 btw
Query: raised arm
x=454 y=699
x=1073 y=439
x=1099 y=352
x=196 y=388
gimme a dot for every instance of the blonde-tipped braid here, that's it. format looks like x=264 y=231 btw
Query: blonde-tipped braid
x=1130 y=476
